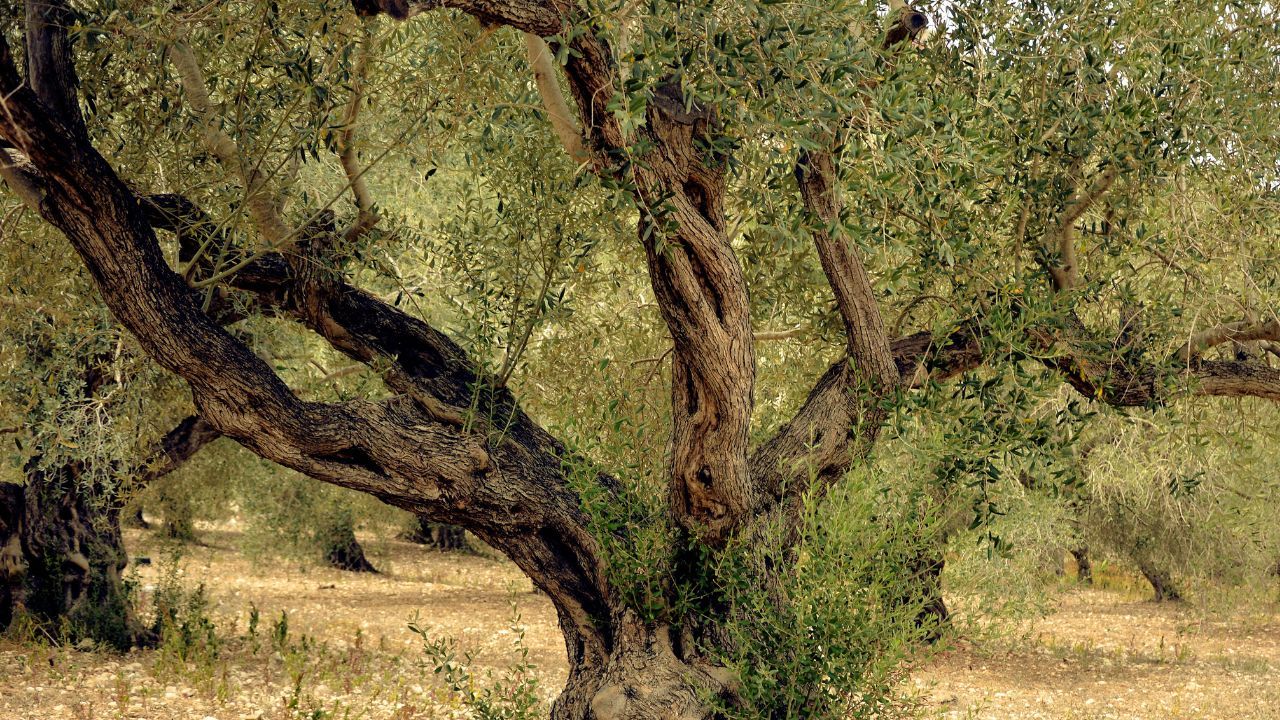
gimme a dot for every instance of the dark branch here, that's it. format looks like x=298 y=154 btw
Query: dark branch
x=51 y=71
x=178 y=446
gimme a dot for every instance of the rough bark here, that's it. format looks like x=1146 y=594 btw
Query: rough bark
x=432 y=448
x=702 y=295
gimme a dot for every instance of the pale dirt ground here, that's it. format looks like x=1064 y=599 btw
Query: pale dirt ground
x=1100 y=655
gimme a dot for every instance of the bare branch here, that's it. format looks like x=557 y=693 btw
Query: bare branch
x=263 y=205
x=772 y=335
x=541 y=60
x=1241 y=331
x=348 y=154
x=1060 y=240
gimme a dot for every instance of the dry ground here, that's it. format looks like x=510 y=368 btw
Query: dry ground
x=348 y=652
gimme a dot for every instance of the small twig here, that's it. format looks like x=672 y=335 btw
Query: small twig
x=770 y=335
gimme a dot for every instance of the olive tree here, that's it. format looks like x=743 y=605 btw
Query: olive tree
x=1046 y=178
x=74 y=449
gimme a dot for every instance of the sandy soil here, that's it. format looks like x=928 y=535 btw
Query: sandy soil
x=349 y=653
x=1101 y=655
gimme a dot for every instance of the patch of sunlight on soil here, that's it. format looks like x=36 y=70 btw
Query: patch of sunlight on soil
x=1104 y=656
x=1100 y=655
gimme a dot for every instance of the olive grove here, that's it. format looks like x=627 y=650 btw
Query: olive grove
x=941 y=214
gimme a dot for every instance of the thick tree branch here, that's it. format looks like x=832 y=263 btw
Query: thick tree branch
x=702 y=295
x=821 y=440
x=1126 y=380
x=841 y=418
x=178 y=446
x=51 y=71
x=543 y=19
x=905 y=24
x=865 y=336
x=434 y=373
x=1122 y=384
x=816 y=442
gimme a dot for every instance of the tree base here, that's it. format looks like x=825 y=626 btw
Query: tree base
x=443 y=537
x=61 y=557
x=345 y=552
x=1084 y=566
x=1162 y=585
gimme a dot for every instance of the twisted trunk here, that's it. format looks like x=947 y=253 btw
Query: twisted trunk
x=61 y=550
x=451 y=444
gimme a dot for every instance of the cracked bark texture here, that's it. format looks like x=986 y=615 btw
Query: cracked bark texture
x=452 y=445
x=61 y=551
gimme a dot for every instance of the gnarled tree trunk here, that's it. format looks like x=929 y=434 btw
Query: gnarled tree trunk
x=73 y=556
x=61 y=550
x=451 y=443
x=12 y=564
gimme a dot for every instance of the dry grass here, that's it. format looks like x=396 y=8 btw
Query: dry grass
x=349 y=652
x=1101 y=655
